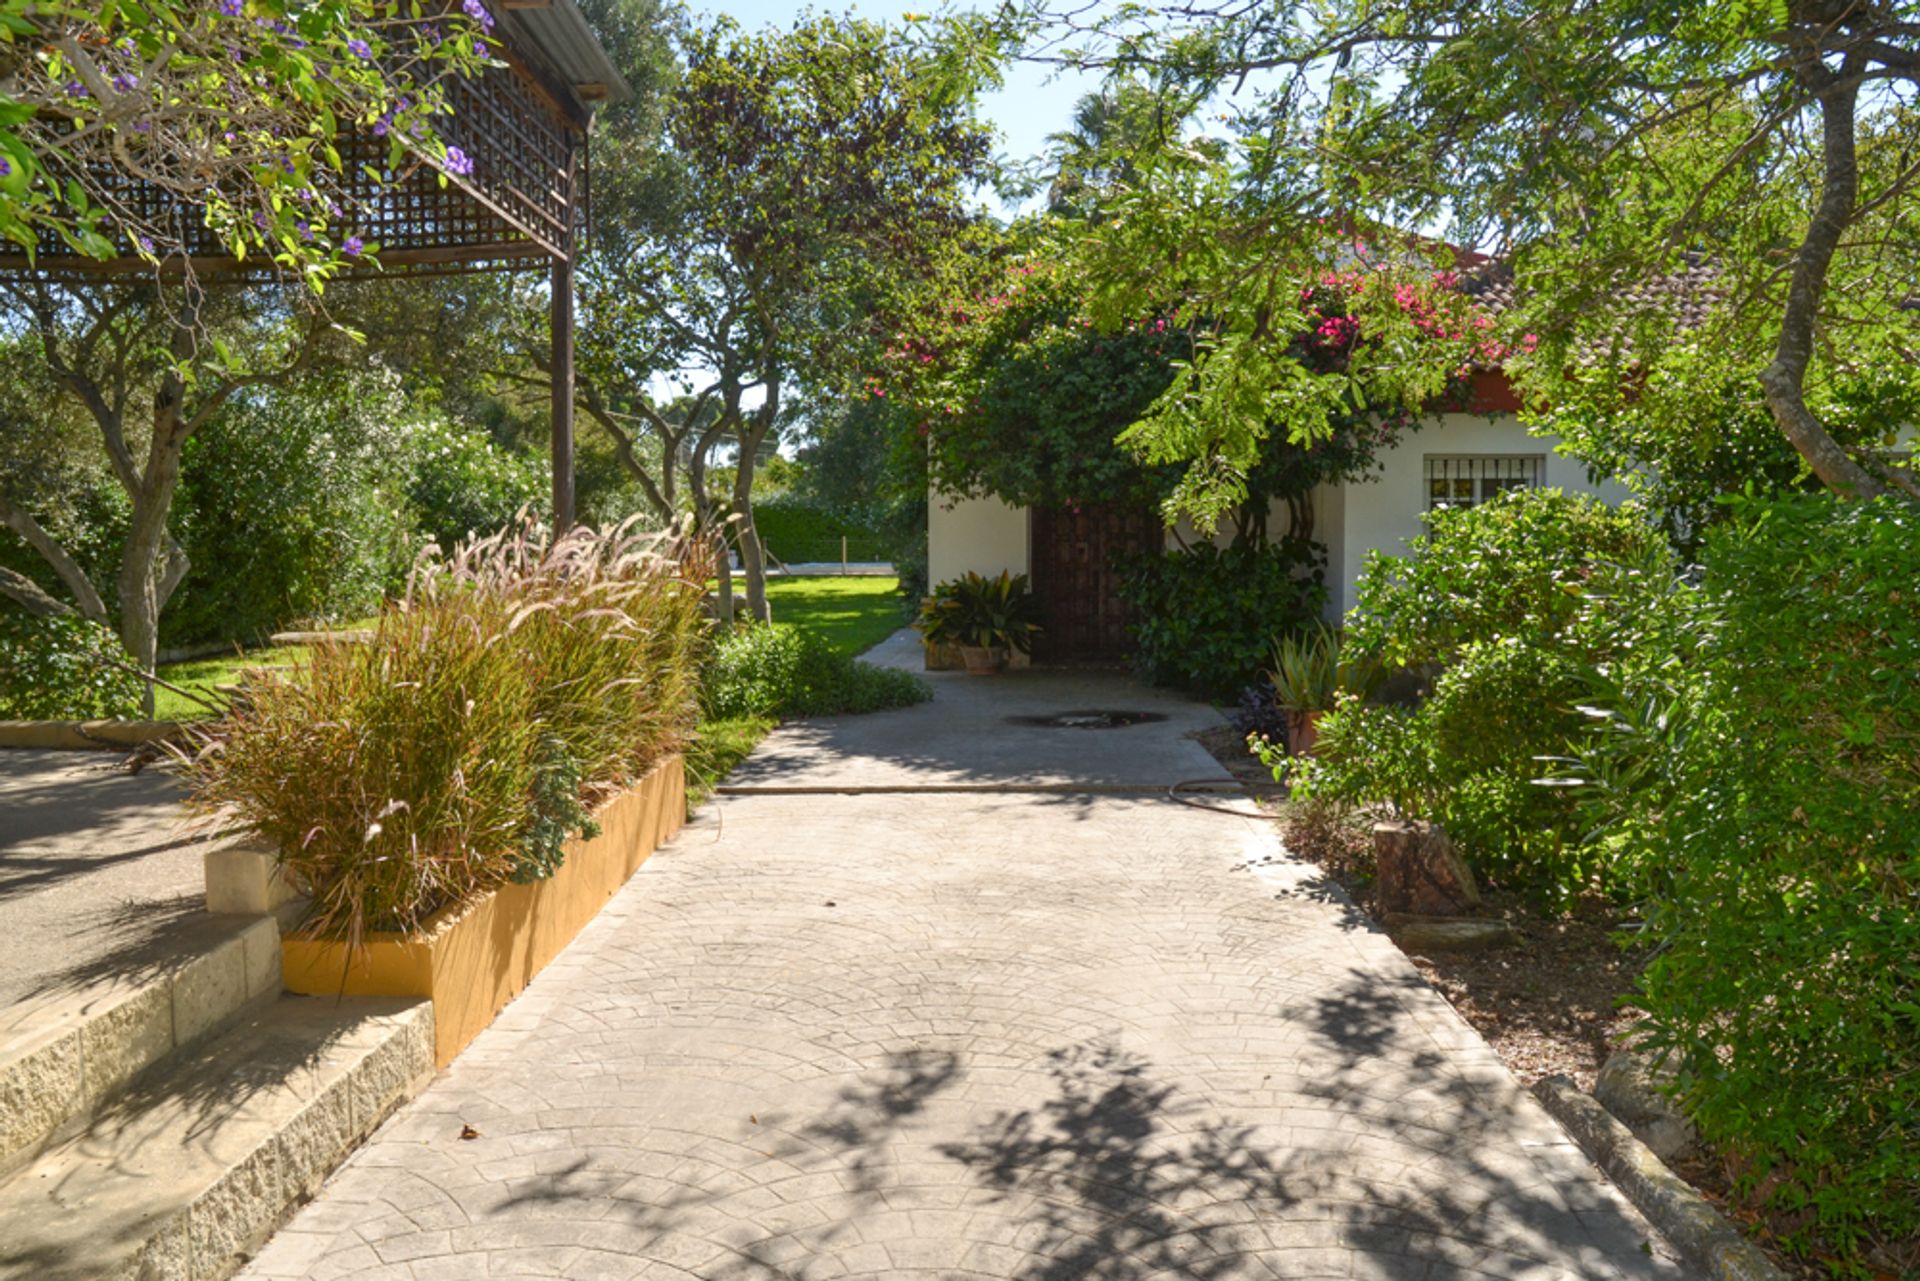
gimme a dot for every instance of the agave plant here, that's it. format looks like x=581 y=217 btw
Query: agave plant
x=990 y=613
x=1311 y=670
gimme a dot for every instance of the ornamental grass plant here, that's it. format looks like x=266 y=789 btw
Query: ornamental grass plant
x=521 y=681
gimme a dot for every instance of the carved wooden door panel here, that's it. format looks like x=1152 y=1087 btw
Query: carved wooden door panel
x=1075 y=581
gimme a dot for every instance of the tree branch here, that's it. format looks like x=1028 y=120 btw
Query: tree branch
x=21 y=522
x=18 y=587
x=1785 y=379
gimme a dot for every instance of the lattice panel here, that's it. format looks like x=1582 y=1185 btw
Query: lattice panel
x=520 y=201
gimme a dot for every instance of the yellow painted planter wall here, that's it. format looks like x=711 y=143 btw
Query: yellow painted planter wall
x=474 y=958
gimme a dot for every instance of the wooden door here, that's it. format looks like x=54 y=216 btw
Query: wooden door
x=1075 y=581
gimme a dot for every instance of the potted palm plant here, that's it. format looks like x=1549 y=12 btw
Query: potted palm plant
x=986 y=619
x=1310 y=670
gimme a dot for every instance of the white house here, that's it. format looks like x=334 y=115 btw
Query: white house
x=1454 y=459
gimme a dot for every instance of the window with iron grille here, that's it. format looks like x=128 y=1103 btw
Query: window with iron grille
x=1462 y=480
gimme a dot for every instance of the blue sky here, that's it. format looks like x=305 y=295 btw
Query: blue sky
x=1035 y=102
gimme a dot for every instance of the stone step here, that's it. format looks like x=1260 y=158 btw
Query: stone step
x=186 y=1172
x=70 y=1050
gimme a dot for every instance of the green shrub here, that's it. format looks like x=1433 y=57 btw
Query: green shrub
x=1516 y=567
x=461 y=485
x=797 y=531
x=286 y=511
x=1522 y=606
x=1208 y=615
x=783 y=671
x=522 y=681
x=57 y=669
x=1782 y=822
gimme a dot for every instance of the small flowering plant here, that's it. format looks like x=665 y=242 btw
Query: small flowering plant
x=235 y=108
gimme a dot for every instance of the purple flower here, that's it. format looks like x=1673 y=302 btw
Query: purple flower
x=75 y=89
x=305 y=229
x=146 y=243
x=353 y=246
x=380 y=127
x=458 y=162
x=124 y=83
x=260 y=220
x=479 y=13
x=6 y=167
x=359 y=48
x=233 y=8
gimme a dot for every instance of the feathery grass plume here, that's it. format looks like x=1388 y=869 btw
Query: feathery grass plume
x=522 y=680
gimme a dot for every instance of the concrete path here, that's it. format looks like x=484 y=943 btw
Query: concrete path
x=984 y=1035
x=100 y=875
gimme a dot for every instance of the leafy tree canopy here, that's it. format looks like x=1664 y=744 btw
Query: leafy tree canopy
x=1689 y=196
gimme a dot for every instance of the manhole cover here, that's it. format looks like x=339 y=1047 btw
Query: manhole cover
x=1099 y=719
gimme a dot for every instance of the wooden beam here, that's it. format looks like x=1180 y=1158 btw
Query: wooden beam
x=591 y=91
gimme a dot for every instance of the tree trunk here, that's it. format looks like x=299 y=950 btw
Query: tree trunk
x=1785 y=379
x=1417 y=871
x=753 y=434
x=151 y=563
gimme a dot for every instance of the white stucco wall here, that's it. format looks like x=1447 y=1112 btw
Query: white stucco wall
x=1386 y=513
x=986 y=535
x=983 y=535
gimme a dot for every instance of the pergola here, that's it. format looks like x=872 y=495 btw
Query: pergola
x=522 y=208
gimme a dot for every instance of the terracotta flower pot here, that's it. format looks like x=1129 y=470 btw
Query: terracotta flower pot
x=983 y=660
x=1303 y=731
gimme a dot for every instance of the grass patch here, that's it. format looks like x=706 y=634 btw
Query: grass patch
x=851 y=614
x=201 y=675
x=718 y=745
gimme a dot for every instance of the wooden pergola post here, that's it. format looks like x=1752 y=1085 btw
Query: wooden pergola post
x=560 y=336
x=562 y=339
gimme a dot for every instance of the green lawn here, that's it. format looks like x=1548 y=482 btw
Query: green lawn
x=854 y=614
x=202 y=674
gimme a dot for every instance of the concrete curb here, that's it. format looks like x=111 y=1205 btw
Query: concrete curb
x=1699 y=1232
x=78 y=735
x=1206 y=787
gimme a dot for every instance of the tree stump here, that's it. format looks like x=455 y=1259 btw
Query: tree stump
x=1418 y=872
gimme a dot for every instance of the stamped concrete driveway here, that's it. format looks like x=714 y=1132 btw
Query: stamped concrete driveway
x=1014 y=1034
